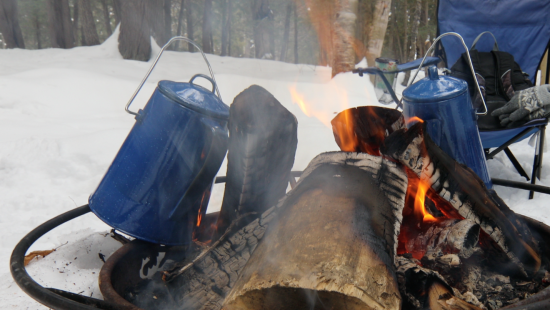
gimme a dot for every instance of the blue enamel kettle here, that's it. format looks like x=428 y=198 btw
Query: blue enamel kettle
x=158 y=186
x=445 y=105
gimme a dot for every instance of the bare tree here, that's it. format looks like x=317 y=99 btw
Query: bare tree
x=207 y=44
x=344 y=31
x=168 y=19
x=415 y=19
x=226 y=27
x=180 y=22
x=377 y=31
x=117 y=8
x=284 y=45
x=156 y=21
x=9 y=24
x=295 y=35
x=60 y=26
x=89 y=30
x=262 y=15
x=134 y=41
x=189 y=18
x=106 y=18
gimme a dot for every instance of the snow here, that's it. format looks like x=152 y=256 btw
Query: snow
x=63 y=120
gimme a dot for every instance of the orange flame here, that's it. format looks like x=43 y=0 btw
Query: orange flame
x=414 y=119
x=299 y=99
x=419 y=206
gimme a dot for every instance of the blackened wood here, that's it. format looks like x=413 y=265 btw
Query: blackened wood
x=87 y=20
x=9 y=24
x=262 y=145
x=205 y=285
x=334 y=240
x=423 y=288
x=364 y=129
x=134 y=41
x=467 y=193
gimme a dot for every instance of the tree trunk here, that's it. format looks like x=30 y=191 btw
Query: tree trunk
x=284 y=45
x=377 y=31
x=262 y=17
x=189 y=17
x=89 y=30
x=226 y=28
x=180 y=22
x=36 y=23
x=207 y=28
x=117 y=8
x=415 y=19
x=9 y=24
x=156 y=21
x=75 y=25
x=134 y=41
x=61 y=30
x=295 y=34
x=106 y=18
x=168 y=19
x=344 y=29
x=224 y=33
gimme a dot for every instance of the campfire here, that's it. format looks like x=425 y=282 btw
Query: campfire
x=389 y=222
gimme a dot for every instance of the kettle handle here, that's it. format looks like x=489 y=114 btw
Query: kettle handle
x=205 y=177
x=127 y=109
x=214 y=86
x=469 y=62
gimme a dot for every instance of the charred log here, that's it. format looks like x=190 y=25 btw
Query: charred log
x=364 y=129
x=465 y=191
x=262 y=145
x=426 y=289
x=332 y=245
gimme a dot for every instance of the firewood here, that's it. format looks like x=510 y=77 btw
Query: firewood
x=465 y=191
x=333 y=243
x=262 y=144
x=364 y=129
x=426 y=289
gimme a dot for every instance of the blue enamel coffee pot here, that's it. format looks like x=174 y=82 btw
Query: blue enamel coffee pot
x=444 y=104
x=158 y=186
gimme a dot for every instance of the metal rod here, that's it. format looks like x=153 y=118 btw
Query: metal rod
x=127 y=109
x=522 y=185
x=469 y=62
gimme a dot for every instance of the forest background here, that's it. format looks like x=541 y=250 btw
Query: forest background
x=335 y=33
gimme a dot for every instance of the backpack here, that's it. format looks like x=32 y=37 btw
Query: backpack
x=499 y=77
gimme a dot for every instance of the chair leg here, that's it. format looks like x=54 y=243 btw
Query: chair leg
x=537 y=162
x=516 y=164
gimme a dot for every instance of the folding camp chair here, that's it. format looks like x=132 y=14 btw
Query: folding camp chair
x=521 y=29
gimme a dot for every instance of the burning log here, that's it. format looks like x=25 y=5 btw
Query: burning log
x=364 y=129
x=426 y=289
x=205 y=284
x=333 y=243
x=451 y=236
x=467 y=194
x=262 y=144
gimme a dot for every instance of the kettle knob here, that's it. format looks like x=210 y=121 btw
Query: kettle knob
x=432 y=73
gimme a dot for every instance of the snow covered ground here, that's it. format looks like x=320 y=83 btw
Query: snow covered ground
x=63 y=120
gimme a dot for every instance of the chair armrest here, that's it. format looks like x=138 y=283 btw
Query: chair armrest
x=430 y=61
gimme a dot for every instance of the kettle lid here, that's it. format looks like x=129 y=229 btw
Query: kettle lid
x=435 y=87
x=195 y=97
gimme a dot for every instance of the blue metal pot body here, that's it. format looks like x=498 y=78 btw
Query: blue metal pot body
x=159 y=183
x=444 y=104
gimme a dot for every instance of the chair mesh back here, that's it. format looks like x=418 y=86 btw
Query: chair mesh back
x=522 y=28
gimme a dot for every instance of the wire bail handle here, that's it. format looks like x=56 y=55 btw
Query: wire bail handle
x=469 y=62
x=214 y=84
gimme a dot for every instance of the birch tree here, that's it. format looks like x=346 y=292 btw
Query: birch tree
x=344 y=34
